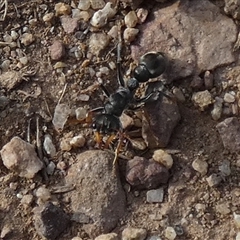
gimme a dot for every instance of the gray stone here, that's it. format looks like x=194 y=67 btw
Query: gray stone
x=98 y=192
x=50 y=221
x=213 y=180
x=130 y=233
x=20 y=156
x=229 y=130
x=187 y=33
x=225 y=168
x=142 y=173
x=155 y=195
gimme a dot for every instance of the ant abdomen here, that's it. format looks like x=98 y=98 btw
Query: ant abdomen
x=151 y=65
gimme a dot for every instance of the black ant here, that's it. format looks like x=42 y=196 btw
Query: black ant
x=106 y=120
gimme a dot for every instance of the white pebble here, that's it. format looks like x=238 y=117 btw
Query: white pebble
x=78 y=141
x=14 y=35
x=130 y=34
x=200 y=166
x=229 y=98
x=24 y=60
x=131 y=19
x=163 y=157
x=43 y=193
x=84 y=4
x=170 y=233
x=48 y=146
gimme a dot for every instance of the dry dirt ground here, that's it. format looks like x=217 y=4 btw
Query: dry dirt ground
x=194 y=136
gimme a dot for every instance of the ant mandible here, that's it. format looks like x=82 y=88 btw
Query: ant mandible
x=106 y=119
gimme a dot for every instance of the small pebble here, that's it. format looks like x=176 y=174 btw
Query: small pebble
x=24 y=60
x=155 y=196
x=84 y=5
x=7 y=38
x=154 y=238
x=43 y=193
x=178 y=94
x=223 y=208
x=27 y=200
x=225 y=169
x=208 y=80
x=142 y=14
x=236 y=218
x=213 y=180
x=27 y=38
x=61 y=165
x=48 y=18
x=48 y=146
x=5 y=65
x=76 y=238
x=238 y=236
x=200 y=166
x=6 y=231
x=130 y=233
x=14 y=35
x=170 y=233
x=109 y=236
x=65 y=144
x=97 y=4
x=50 y=168
x=130 y=34
x=81 y=113
x=62 y=9
x=202 y=99
x=163 y=157
x=131 y=19
x=113 y=32
x=78 y=141
x=196 y=83
x=69 y=24
x=217 y=109
x=98 y=42
x=229 y=98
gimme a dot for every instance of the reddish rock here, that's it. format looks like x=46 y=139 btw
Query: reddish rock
x=142 y=173
x=57 y=50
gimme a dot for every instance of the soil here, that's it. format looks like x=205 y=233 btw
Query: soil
x=195 y=136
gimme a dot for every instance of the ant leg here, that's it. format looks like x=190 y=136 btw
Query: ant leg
x=109 y=140
x=106 y=92
x=119 y=145
x=98 y=138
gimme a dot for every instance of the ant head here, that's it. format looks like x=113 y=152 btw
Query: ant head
x=132 y=84
x=141 y=73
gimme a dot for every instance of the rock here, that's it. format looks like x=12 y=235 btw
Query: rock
x=57 y=50
x=3 y=102
x=60 y=117
x=225 y=169
x=27 y=38
x=200 y=166
x=131 y=19
x=163 y=157
x=236 y=218
x=100 y=18
x=126 y=121
x=229 y=98
x=155 y=196
x=50 y=168
x=109 y=236
x=217 y=108
x=223 y=208
x=62 y=9
x=142 y=14
x=98 y=193
x=196 y=83
x=130 y=233
x=98 y=42
x=84 y=5
x=130 y=34
x=43 y=194
x=177 y=92
x=27 y=200
x=159 y=119
x=48 y=145
x=97 y=4
x=142 y=173
x=232 y=7
x=48 y=17
x=202 y=99
x=170 y=233
x=213 y=180
x=208 y=80
x=229 y=130
x=69 y=24
x=178 y=30
x=78 y=141
x=50 y=221
x=20 y=157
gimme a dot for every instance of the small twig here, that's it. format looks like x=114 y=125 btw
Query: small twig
x=29 y=130
x=49 y=112
x=62 y=189
x=5 y=4
x=64 y=90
